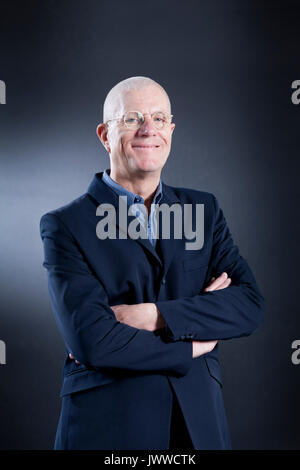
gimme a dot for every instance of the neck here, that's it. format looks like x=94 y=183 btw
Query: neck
x=145 y=184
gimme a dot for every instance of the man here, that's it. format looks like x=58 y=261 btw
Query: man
x=141 y=316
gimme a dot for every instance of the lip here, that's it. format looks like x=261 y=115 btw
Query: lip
x=145 y=146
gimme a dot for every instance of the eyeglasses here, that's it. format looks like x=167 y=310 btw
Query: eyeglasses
x=134 y=119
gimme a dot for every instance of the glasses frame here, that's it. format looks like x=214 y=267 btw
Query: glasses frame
x=169 y=116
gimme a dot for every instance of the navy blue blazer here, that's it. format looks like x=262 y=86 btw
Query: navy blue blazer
x=120 y=396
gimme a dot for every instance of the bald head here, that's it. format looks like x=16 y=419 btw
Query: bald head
x=114 y=98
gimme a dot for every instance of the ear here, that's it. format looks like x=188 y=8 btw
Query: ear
x=102 y=132
x=172 y=127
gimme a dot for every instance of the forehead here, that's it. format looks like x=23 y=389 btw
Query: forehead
x=146 y=100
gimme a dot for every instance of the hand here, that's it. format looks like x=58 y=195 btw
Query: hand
x=221 y=282
x=145 y=316
x=203 y=347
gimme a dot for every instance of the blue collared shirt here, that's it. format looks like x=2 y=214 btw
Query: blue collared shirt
x=133 y=198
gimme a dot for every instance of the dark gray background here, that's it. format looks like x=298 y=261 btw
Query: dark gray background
x=228 y=68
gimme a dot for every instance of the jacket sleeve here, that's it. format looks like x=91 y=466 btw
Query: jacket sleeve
x=232 y=312
x=88 y=325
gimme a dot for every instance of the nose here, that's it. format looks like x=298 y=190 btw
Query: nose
x=147 y=128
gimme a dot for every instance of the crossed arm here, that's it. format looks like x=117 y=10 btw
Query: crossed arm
x=124 y=336
x=146 y=316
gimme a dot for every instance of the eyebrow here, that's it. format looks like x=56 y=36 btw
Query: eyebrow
x=155 y=111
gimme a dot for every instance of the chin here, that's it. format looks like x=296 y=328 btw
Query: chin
x=149 y=166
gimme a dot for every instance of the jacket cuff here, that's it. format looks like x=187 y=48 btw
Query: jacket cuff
x=171 y=331
x=185 y=349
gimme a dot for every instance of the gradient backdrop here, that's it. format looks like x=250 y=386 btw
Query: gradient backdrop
x=227 y=67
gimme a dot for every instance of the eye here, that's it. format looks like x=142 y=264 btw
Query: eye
x=159 y=118
x=130 y=120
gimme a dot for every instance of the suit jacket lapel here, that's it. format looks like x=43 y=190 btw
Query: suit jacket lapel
x=102 y=193
x=172 y=246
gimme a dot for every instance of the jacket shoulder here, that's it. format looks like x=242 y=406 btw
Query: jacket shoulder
x=193 y=195
x=67 y=211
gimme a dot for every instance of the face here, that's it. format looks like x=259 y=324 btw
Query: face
x=142 y=150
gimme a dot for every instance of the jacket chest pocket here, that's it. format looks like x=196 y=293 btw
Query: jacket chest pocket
x=194 y=272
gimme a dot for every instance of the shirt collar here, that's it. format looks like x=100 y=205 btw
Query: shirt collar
x=132 y=198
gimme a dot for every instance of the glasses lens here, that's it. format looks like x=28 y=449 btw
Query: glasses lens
x=159 y=120
x=133 y=120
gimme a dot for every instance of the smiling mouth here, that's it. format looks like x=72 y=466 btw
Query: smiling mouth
x=145 y=146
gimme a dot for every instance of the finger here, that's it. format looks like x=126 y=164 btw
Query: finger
x=224 y=284
x=219 y=281
x=77 y=362
x=212 y=280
